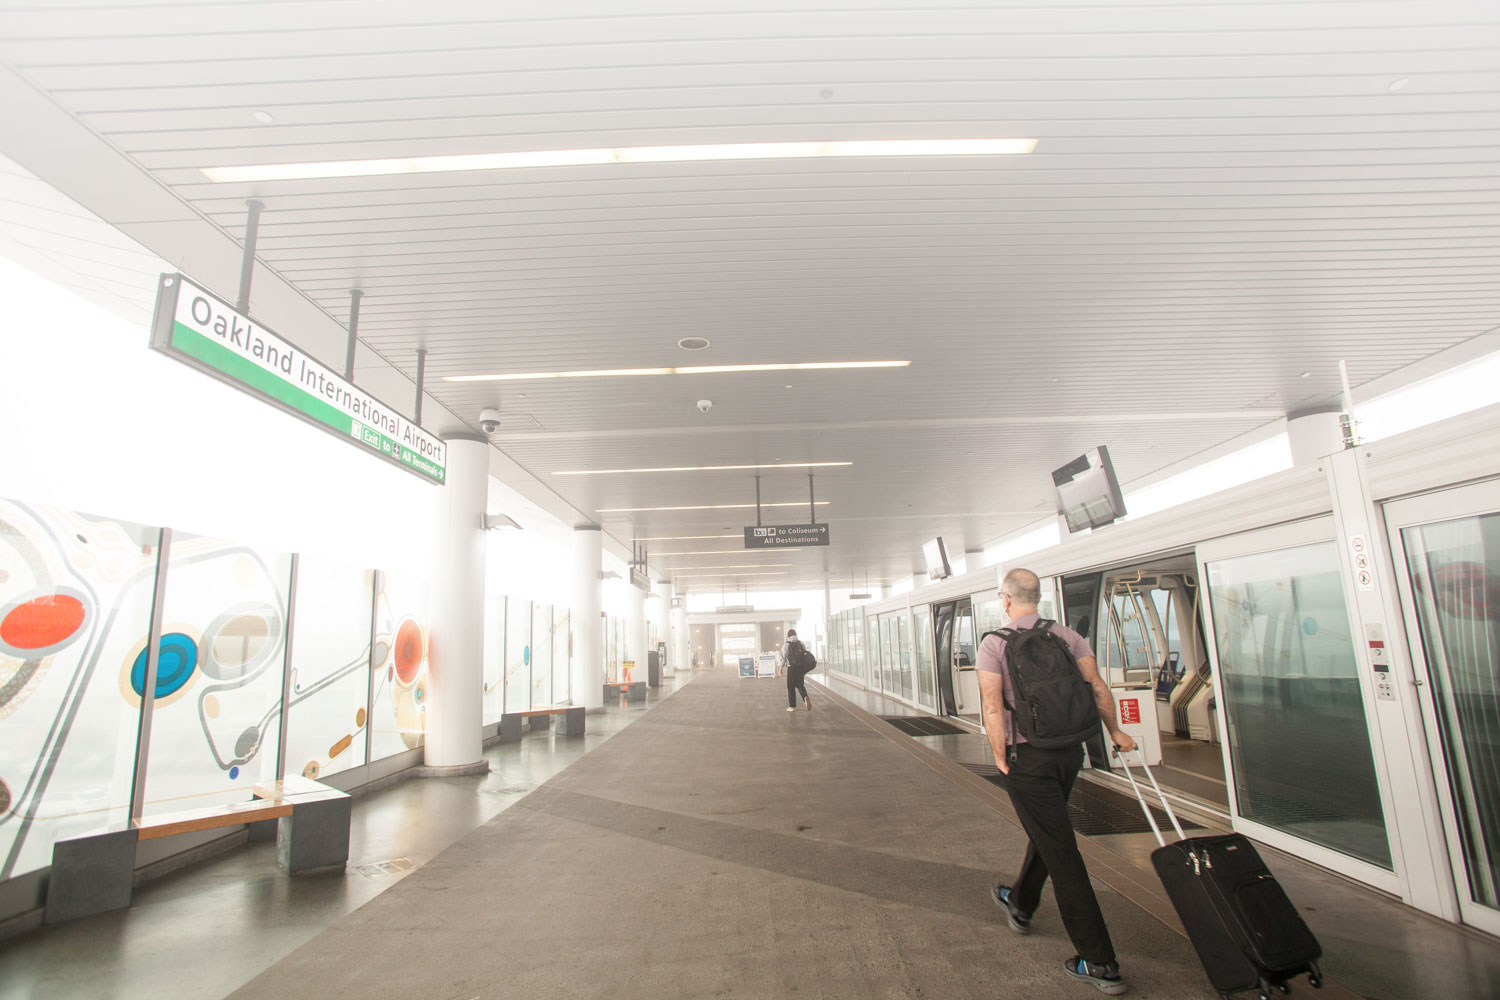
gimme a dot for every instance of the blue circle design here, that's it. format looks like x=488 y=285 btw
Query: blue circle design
x=1309 y=625
x=526 y=655
x=176 y=659
x=234 y=772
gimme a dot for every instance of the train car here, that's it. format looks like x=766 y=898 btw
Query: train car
x=1313 y=655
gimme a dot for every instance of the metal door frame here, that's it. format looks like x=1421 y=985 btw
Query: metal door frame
x=1257 y=542
x=1453 y=504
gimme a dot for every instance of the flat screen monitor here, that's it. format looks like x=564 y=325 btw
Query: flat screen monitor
x=1088 y=495
x=937 y=559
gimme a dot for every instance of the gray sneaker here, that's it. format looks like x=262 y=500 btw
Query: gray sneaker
x=1105 y=978
x=1019 y=922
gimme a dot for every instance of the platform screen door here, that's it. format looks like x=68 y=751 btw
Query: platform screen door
x=1449 y=542
x=1293 y=704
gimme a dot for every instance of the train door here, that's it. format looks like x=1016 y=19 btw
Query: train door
x=1294 y=708
x=957 y=649
x=1446 y=547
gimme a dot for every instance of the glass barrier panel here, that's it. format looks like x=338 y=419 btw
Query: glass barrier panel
x=75 y=616
x=1299 y=742
x=517 y=654
x=562 y=655
x=1455 y=574
x=330 y=668
x=398 y=711
x=926 y=659
x=541 y=654
x=494 y=658
x=217 y=717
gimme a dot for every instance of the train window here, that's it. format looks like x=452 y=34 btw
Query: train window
x=987 y=614
x=1080 y=598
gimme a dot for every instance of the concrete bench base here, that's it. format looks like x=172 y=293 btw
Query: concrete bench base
x=95 y=874
x=90 y=875
x=569 y=722
x=634 y=691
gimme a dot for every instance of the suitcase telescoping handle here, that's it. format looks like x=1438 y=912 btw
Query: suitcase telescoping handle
x=1141 y=760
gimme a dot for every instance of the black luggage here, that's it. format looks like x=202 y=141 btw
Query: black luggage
x=1246 y=931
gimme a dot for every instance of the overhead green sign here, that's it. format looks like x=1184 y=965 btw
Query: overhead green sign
x=199 y=328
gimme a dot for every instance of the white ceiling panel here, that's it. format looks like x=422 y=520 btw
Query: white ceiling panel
x=1227 y=199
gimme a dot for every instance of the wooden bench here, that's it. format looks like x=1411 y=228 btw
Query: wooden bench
x=96 y=873
x=570 y=721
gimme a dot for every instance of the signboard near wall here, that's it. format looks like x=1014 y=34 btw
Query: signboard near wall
x=200 y=329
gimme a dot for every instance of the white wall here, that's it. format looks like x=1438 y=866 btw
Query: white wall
x=96 y=421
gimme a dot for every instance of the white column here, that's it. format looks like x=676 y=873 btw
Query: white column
x=455 y=650
x=661 y=617
x=635 y=631
x=682 y=657
x=586 y=677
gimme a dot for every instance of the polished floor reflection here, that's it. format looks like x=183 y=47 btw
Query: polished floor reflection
x=203 y=931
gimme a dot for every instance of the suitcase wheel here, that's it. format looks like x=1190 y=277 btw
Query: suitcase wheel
x=1315 y=977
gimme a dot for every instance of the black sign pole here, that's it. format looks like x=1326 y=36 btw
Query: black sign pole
x=757 y=501
x=354 y=296
x=421 y=373
x=812 y=508
x=247 y=262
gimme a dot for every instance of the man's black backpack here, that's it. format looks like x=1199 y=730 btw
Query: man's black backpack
x=801 y=657
x=1053 y=705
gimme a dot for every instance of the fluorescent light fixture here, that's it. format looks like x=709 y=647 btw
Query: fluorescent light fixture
x=681 y=538
x=620 y=154
x=734 y=574
x=722 y=552
x=703 y=468
x=709 y=506
x=681 y=370
x=674 y=569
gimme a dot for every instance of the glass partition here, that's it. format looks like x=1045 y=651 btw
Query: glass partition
x=398 y=711
x=216 y=723
x=517 y=654
x=1455 y=580
x=330 y=668
x=562 y=655
x=1299 y=744
x=494 y=658
x=75 y=614
x=926 y=659
x=903 y=652
x=541 y=654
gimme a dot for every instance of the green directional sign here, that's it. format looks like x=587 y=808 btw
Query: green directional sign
x=197 y=327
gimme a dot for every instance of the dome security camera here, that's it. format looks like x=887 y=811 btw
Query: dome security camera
x=704 y=405
x=489 y=420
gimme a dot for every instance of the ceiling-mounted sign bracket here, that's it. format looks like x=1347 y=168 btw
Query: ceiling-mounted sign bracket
x=200 y=329
x=812 y=508
x=757 y=499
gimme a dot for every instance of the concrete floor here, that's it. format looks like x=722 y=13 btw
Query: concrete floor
x=205 y=930
x=711 y=844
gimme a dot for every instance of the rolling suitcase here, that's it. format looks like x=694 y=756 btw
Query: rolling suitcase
x=1246 y=931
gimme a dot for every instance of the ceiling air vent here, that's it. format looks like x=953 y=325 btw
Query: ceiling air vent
x=693 y=343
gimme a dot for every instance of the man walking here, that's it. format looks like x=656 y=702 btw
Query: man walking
x=1040 y=776
x=793 y=653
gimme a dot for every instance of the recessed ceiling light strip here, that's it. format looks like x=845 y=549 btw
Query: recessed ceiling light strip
x=708 y=506
x=620 y=154
x=703 y=468
x=689 y=370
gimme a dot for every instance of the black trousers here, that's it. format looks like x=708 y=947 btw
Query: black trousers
x=1039 y=784
x=794 y=676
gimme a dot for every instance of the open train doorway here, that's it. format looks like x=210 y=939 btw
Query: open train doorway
x=957 y=653
x=1144 y=623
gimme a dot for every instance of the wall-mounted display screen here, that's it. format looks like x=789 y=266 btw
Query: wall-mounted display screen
x=937 y=559
x=1088 y=495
